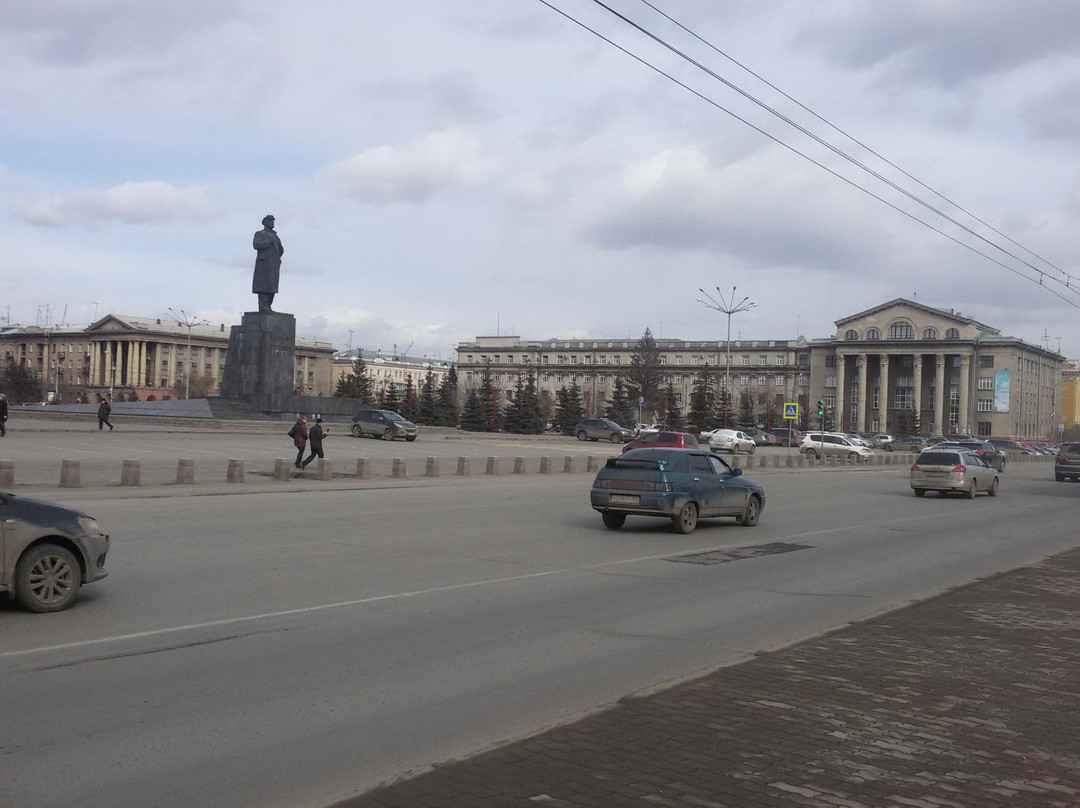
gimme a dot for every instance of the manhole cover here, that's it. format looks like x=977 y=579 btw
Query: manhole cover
x=739 y=553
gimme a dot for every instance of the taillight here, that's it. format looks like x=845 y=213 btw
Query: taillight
x=959 y=469
x=915 y=467
x=980 y=451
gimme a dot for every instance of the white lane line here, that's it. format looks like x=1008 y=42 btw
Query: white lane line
x=231 y=621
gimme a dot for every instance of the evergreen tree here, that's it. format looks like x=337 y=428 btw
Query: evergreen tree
x=489 y=400
x=514 y=416
x=447 y=400
x=20 y=384
x=569 y=409
x=645 y=376
x=356 y=383
x=532 y=415
x=674 y=416
x=621 y=409
x=408 y=400
x=391 y=398
x=426 y=408
x=472 y=415
x=747 y=418
x=702 y=416
x=725 y=414
x=770 y=409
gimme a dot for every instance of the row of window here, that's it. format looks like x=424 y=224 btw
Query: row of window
x=902 y=330
x=763 y=360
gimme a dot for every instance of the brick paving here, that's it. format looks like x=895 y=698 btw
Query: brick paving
x=969 y=699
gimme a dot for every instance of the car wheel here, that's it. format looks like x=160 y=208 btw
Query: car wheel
x=920 y=492
x=614 y=521
x=1059 y=477
x=750 y=516
x=811 y=454
x=970 y=493
x=47 y=578
x=388 y=434
x=616 y=437
x=992 y=490
x=582 y=436
x=752 y=449
x=686 y=521
x=853 y=457
x=357 y=431
x=887 y=447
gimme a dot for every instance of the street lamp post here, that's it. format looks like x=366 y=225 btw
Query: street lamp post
x=188 y=322
x=728 y=306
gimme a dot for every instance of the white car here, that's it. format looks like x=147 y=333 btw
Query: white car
x=817 y=444
x=648 y=429
x=728 y=440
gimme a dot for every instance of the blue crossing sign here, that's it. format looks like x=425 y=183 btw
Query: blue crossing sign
x=641 y=401
x=791 y=411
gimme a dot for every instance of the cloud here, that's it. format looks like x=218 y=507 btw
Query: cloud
x=154 y=202
x=412 y=173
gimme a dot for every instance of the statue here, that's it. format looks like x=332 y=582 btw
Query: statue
x=264 y=282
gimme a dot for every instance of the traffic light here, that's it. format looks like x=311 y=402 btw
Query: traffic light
x=820 y=408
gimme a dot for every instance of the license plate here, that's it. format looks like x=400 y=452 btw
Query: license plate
x=624 y=499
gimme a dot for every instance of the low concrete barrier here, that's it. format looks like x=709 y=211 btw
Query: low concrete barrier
x=282 y=469
x=69 y=474
x=324 y=470
x=492 y=466
x=519 y=465
x=590 y=464
x=235 y=474
x=431 y=469
x=185 y=472
x=130 y=473
x=790 y=461
x=7 y=473
x=776 y=461
x=545 y=465
x=463 y=467
x=398 y=469
x=568 y=464
x=361 y=468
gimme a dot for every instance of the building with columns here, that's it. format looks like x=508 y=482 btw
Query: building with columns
x=389 y=370
x=896 y=364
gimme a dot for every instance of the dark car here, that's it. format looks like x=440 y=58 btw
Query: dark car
x=760 y=436
x=663 y=440
x=1067 y=462
x=1008 y=445
x=385 y=424
x=47 y=552
x=683 y=485
x=906 y=443
x=781 y=435
x=984 y=448
x=602 y=429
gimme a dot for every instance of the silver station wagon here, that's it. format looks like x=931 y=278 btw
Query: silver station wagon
x=953 y=471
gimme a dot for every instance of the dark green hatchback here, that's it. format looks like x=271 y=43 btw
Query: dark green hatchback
x=683 y=485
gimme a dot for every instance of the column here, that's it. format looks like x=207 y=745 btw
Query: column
x=939 y=394
x=841 y=362
x=861 y=416
x=883 y=393
x=965 y=372
x=140 y=364
x=132 y=367
x=94 y=363
x=172 y=365
x=917 y=396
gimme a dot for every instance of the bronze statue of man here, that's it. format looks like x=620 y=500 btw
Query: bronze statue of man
x=264 y=282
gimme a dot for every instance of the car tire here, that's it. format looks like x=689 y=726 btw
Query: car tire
x=811 y=454
x=582 y=436
x=357 y=431
x=47 y=578
x=616 y=437
x=410 y=438
x=887 y=447
x=1059 y=477
x=752 y=449
x=992 y=490
x=970 y=493
x=920 y=492
x=853 y=457
x=749 y=517
x=613 y=521
x=686 y=520
x=388 y=434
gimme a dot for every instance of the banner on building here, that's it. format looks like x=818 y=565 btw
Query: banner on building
x=1002 y=389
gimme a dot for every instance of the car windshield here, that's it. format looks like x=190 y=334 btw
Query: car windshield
x=393 y=416
x=1070 y=449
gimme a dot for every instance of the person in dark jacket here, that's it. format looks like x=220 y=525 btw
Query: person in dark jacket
x=316 y=435
x=299 y=435
x=103 y=411
x=3 y=415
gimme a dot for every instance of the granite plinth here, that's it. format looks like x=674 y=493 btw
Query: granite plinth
x=259 y=363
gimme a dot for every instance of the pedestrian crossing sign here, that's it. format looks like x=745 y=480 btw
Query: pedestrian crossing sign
x=791 y=411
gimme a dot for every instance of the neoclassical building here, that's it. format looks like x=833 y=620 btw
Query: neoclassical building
x=891 y=365
x=385 y=370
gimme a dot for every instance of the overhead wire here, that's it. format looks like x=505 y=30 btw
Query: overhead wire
x=807 y=157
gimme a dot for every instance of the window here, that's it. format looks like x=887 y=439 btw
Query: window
x=781 y=359
x=986 y=383
x=985 y=429
x=986 y=361
x=985 y=405
x=762 y=381
x=746 y=359
x=929 y=333
x=902 y=398
x=851 y=333
x=778 y=381
x=855 y=393
x=828 y=401
x=952 y=333
x=678 y=359
x=830 y=361
x=830 y=381
x=804 y=381
x=677 y=379
x=901 y=331
x=873 y=333
x=763 y=359
x=744 y=381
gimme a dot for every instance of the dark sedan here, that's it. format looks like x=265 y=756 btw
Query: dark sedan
x=47 y=552
x=663 y=440
x=683 y=485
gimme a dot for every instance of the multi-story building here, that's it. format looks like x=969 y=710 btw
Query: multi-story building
x=385 y=370
x=898 y=364
x=1070 y=400
x=148 y=357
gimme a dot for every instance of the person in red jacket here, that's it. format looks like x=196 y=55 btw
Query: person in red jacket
x=299 y=435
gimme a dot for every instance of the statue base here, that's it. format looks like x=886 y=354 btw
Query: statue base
x=259 y=364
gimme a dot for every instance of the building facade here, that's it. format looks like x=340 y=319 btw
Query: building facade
x=898 y=365
x=147 y=357
x=387 y=370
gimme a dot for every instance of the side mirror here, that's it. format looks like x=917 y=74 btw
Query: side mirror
x=736 y=472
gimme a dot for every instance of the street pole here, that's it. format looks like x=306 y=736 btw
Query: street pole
x=728 y=306
x=188 y=322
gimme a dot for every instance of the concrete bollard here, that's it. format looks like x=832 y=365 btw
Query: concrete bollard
x=463 y=467
x=324 y=470
x=69 y=474
x=762 y=461
x=361 y=468
x=130 y=472
x=545 y=465
x=590 y=463
x=431 y=469
x=235 y=474
x=775 y=461
x=802 y=461
x=398 y=469
x=282 y=469
x=519 y=465
x=568 y=464
x=7 y=473
x=492 y=466
x=185 y=472
x=790 y=462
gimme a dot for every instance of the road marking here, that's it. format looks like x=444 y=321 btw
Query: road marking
x=231 y=621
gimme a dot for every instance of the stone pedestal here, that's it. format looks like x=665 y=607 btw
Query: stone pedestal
x=259 y=364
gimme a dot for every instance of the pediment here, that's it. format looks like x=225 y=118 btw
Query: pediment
x=907 y=316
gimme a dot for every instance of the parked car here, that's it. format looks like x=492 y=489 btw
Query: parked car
x=682 y=485
x=988 y=451
x=859 y=440
x=760 y=437
x=665 y=439
x=881 y=439
x=729 y=440
x=1008 y=445
x=834 y=444
x=645 y=429
x=782 y=437
x=602 y=429
x=1067 y=462
x=952 y=471
x=47 y=552
x=385 y=424
x=906 y=443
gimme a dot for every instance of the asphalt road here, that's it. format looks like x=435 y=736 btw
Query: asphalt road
x=288 y=649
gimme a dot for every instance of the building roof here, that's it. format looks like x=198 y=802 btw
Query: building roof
x=902 y=301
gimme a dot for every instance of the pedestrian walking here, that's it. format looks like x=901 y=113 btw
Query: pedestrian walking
x=103 y=411
x=299 y=435
x=316 y=435
x=3 y=415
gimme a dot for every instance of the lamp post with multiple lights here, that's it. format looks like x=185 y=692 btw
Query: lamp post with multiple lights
x=728 y=306
x=189 y=323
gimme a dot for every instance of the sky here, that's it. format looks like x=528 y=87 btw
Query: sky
x=440 y=171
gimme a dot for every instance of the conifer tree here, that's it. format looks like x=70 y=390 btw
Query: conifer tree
x=356 y=383
x=747 y=419
x=489 y=400
x=426 y=403
x=674 y=417
x=569 y=410
x=447 y=400
x=391 y=398
x=472 y=415
x=645 y=375
x=702 y=416
x=408 y=399
x=620 y=409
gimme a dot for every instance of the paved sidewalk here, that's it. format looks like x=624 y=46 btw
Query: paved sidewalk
x=969 y=699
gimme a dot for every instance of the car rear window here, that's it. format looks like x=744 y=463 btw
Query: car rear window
x=1070 y=449
x=939 y=459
